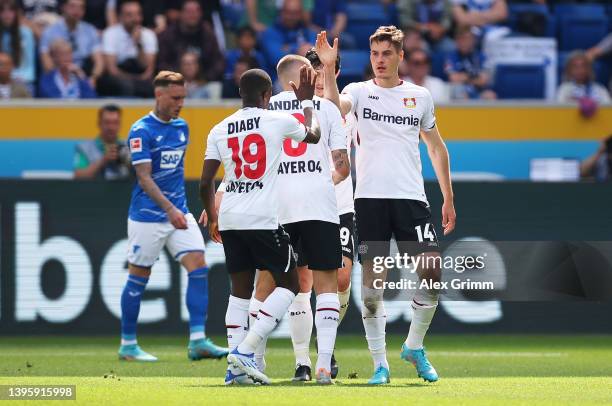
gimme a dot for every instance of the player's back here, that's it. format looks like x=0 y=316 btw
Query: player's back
x=249 y=145
x=306 y=190
x=163 y=144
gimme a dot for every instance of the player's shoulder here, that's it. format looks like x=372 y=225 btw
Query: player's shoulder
x=179 y=123
x=141 y=126
x=325 y=103
x=355 y=86
x=273 y=115
x=414 y=90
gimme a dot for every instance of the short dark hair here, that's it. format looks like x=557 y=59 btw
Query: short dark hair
x=166 y=78
x=254 y=83
x=247 y=29
x=250 y=61
x=420 y=51
x=313 y=57
x=111 y=108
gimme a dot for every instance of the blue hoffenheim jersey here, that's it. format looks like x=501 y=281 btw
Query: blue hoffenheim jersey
x=163 y=144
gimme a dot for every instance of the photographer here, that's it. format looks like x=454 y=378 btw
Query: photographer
x=106 y=157
x=599 y=165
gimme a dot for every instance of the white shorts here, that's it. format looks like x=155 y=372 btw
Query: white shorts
x=146 y=240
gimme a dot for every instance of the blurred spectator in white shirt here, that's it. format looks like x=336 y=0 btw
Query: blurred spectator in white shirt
x=579 y=81
x=415 y=68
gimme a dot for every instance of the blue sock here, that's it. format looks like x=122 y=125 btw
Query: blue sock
x=130 y=306
x=197 y=302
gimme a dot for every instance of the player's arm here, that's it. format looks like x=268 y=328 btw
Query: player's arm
x=342 y=165
x=305 y=93
x=146 y=182
x=313 y=130
x=327 y=55
x=218 y=197
x=207 y=195
x=436 y=148
x=337 y=145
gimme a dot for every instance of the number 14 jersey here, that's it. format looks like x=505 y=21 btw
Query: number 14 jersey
x=249 y=144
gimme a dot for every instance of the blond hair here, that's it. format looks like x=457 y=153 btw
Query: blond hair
x=287 y=62
x=389 y=33
x=166 y=78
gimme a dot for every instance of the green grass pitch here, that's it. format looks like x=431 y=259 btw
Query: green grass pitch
x=473 y=370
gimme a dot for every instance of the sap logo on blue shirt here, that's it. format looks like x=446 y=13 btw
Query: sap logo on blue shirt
x=170 y=159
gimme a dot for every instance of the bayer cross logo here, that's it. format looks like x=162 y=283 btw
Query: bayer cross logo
x=363 y=248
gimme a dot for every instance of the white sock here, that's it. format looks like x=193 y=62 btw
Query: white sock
x=236 y=321
x=260 y=351
x=374 y=323
x=300 y=326
x=344 y=298
x=326 y=319
x=270 y=313
x=128 y=342
x=424 y=306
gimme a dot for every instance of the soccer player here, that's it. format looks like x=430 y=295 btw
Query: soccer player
x=158 y=217
x=392 y=116
x=305 y=175
x=344 y=199
x=249 y=144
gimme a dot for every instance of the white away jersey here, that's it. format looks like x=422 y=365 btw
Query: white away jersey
x=249 y=144
x=388 y=125
x=306 y=189
x=344 y=189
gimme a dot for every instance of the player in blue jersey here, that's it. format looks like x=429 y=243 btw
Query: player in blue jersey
x=159 y=216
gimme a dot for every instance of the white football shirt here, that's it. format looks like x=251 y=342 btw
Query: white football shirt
x=249 y=143
x=389 y=121
x=306 y=189
x=344 y=189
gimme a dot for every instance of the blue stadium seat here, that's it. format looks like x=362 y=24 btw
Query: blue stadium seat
x=352 y=66
x=438 y=59
x=516 y=9
x=581 y=31
x=520 y=81
x=579 y=9
x=363 y=20
x=232 y=13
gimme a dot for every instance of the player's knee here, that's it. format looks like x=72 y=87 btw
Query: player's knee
x=304 y=279
x=431 y=267
x=344 y=278
x=371 y=304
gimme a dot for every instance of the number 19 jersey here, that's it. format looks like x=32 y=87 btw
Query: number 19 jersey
x=249 y=144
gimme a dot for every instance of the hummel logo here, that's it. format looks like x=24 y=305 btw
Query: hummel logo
x=133 y=293
x=373 y=97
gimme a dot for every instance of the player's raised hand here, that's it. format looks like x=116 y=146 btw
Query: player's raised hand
x=177 y=218
x=213 y=231
x=327 y=54
x=203 y=218
x=307 y=83
x=449 y=217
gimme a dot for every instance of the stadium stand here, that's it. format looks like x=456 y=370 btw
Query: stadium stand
x=520 y=81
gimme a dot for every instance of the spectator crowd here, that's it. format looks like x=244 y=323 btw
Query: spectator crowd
x=73 y=49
